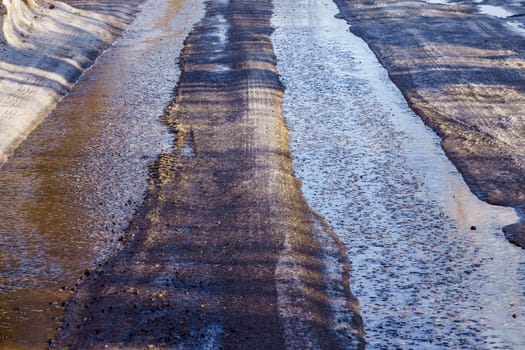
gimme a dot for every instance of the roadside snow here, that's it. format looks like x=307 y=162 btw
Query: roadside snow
x=44 y=49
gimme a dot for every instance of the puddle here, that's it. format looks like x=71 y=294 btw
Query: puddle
x=70 y=189
x=430 y=265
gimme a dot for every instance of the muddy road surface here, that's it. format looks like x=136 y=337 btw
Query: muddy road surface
x=71 y=188
x=227 y=253
x=463 y=72
x=244 y=174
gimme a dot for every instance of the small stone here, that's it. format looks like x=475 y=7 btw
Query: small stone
x=473 y=228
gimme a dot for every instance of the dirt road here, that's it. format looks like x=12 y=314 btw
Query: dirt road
x=70 y=189
x=462 y=72
x=227 y=254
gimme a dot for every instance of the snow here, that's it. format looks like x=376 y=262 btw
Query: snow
x=43 y=51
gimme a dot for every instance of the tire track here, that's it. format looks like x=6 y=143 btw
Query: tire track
x=223 y=216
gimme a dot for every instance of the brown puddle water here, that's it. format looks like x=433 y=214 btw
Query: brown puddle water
x=71 y=188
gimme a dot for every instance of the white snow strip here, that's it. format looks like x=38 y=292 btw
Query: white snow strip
x=289 y=287
x=42 y=51
x=496 y=11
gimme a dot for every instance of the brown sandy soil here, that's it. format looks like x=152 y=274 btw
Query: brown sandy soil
x=464 y=74
x=44 y=48
x=224 y=252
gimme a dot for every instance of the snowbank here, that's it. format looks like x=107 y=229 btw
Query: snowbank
x=44 y=48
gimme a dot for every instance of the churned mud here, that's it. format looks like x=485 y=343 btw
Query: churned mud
x=429 y=263
x=224 y=253
x=463 y=73
x=71 y=188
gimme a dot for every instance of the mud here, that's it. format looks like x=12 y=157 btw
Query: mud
x=71 y=188
x=462 y=72
x=226 y=253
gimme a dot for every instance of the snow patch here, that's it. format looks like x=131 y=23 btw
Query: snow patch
x=44 y=49
x=496 y=11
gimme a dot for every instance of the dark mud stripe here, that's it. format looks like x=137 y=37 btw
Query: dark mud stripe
x=463 y=74
x=224 y=209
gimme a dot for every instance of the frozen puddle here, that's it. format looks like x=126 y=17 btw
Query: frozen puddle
x=430 y=265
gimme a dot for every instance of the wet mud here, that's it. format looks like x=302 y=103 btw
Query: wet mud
x=71 y=188
x=462 y=72
x=224 y=253
x=429 y=264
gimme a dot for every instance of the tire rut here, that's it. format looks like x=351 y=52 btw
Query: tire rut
x=201 y=268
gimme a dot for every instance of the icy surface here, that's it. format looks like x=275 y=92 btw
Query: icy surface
x=430 y=265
